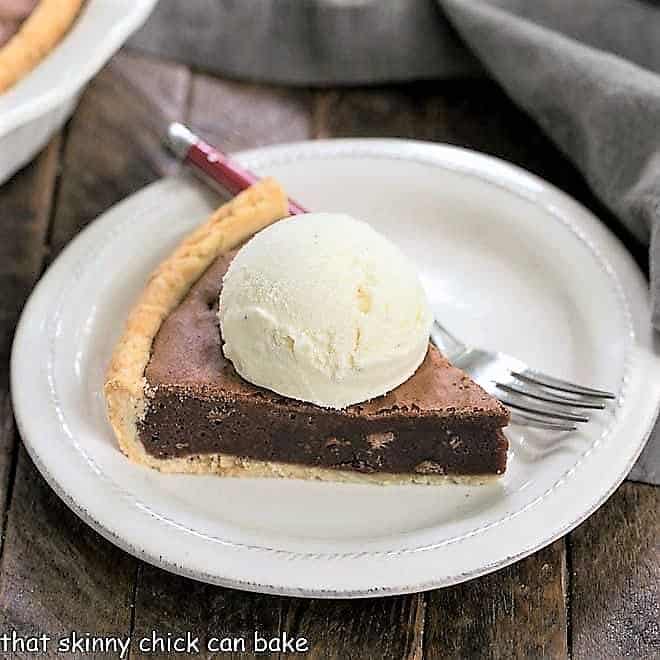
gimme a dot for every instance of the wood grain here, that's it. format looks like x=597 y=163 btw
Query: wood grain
x=365 y=628
x=237 y=116
x=25 y=210
x=174 y=605
x=114 y=143
x=615 y=577
x=374 y=628
x=517 y=612
x=57 y=574
x=8 y=442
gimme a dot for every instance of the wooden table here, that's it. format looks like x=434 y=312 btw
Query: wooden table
x=593 y=594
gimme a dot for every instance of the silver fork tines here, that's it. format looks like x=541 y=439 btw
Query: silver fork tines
x=538 y=378
x=544 y=410
x=544 y=395
x=535 y=399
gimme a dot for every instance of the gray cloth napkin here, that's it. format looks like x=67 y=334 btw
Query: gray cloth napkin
x=585 y=71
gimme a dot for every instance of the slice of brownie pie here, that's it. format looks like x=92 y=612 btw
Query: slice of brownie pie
x=177 y=404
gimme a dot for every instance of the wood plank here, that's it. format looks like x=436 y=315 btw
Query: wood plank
x=7 y=454
x=517 y=612
x=387 y=628
x=25 y=209
x=173 y=605
x=58 y=574
x=365 y=628
x=370 y=628
x=114 y=143
x=238 y=116
x=615 y=577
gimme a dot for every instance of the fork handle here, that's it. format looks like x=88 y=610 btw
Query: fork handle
x=212 y=162
x=446 y=342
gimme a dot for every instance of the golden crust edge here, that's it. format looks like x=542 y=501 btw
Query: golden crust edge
x=40 y=33
x=227 y=465
x=125 y=386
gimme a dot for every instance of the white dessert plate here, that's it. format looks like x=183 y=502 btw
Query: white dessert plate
x=508 y=261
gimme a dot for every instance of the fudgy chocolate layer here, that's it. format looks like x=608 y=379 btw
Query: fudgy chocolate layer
x=395 y=443
x=437 y=422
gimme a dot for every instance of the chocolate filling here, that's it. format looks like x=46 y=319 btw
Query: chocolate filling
x=437 y=422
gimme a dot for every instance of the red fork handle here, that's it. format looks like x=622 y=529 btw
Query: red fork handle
x=215 y=164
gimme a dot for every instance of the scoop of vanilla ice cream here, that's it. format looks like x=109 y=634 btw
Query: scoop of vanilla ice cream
x=322 y=308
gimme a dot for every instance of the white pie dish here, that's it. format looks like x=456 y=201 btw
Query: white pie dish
x=39 y=104
x=508 y=262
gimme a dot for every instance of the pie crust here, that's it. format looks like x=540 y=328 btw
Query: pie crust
x=41 y=31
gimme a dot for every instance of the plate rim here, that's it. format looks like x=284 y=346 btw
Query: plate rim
x=388 y=149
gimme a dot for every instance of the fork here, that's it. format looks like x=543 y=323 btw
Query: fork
x=534 y=398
